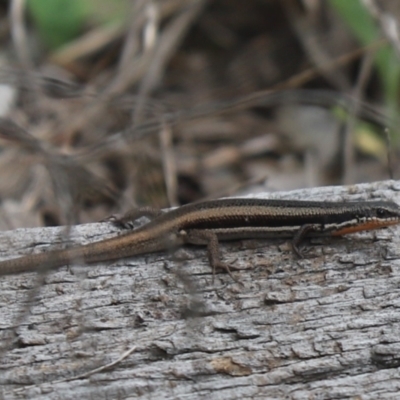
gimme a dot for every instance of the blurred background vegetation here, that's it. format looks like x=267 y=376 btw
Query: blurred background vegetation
x=107 y=104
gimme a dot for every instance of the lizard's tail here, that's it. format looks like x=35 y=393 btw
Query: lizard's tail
x=41 y=262
x=140 y=241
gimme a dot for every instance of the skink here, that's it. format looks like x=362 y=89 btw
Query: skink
x=209 y=222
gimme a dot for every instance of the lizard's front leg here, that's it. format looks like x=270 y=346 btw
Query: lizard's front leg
x=301 y=234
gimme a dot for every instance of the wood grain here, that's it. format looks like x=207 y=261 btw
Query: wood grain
x=323 y=327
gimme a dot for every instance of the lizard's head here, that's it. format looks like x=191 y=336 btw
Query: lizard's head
x=373 y=215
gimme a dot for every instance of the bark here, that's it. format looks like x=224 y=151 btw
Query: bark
x=323 y=327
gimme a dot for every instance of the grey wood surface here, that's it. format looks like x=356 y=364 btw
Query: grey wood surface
x=323 y=327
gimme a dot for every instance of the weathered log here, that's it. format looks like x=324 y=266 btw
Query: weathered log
x=323 y=327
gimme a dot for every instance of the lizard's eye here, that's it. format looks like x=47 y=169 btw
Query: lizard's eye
x=381 y=213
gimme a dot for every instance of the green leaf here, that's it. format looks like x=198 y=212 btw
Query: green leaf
x=366 y=31
x=58 y=21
